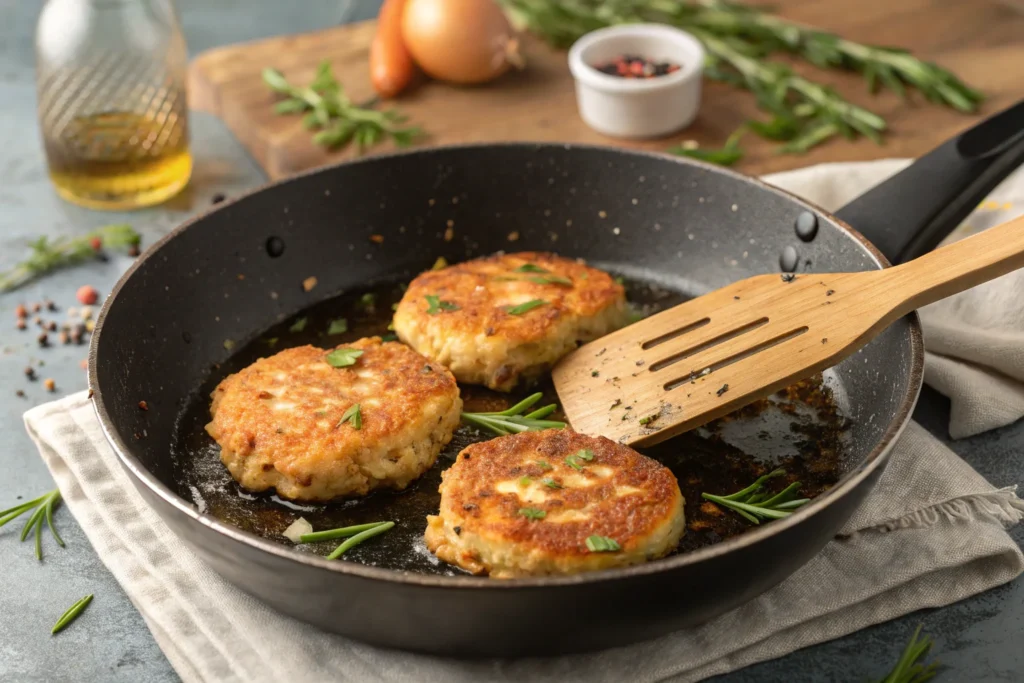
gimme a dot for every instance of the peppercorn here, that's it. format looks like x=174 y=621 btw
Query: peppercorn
x=51 y=326
x=30 y=372
x=218 y=198
x=20 y=311
x=50 y=306
x=50 y=384
x=87 y=294
x=133 y=250
x=143 y=405
x=42 y=339
x=36 y=307
x=64 y=337
x=96 y=243
x=22 y=324
x=19 y=393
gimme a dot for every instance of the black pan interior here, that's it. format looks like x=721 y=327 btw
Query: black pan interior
x=210 y=299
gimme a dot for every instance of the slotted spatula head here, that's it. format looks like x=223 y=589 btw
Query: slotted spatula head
x=714 y=354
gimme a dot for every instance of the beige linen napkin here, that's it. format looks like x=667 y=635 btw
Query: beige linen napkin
x=931 y=533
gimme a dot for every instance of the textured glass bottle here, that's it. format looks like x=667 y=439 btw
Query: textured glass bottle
x=110 y=82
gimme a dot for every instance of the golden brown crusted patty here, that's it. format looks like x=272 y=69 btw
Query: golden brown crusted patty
x=474 y=335
x=278 y=421
x=484 y=524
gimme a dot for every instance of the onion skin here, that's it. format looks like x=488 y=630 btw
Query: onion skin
x=459 y=41
x=391 y=66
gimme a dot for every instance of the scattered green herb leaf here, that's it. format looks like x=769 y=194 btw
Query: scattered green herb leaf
x=299 y=325
x=753 y=502
x=602 y=544
x=272 y=342
x=435 y=305
x=648 y=419
x=73 y=612
x=343 y=358
x=550 y=483
x=359 y=538
x=524 y=307
x=573 y=461
x=440 y=263
x=585 y=454
x=531 y=268
x=550 y=280
x=353 y=416
x=533 y=513
x=339 y=326
x=341 y=532
x=524 y=481
x=907 y=669
x=368 y=301
x=544 y=465
x=391 y=336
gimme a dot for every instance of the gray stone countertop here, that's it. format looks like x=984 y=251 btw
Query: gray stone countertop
x=979 y=639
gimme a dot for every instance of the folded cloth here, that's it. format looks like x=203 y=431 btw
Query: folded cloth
x=975 y=340
x=931 y=532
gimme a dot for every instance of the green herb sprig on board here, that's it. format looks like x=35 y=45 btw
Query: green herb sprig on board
x=42 y=511
x=514 y=420
x=754 y=503
x=337 y=119
x=738 y=40
x=50 y=254
x=71 y=614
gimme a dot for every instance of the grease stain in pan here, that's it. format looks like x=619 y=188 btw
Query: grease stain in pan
x=801 y=429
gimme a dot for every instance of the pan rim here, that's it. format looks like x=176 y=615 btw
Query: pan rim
x=847 y=484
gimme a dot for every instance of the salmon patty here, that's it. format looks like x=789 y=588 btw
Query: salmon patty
x=317 y=424
x=509 y=318
x=554 y=502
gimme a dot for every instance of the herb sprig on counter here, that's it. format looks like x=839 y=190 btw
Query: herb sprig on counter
x=337 y=119
x=49 y=254
x=754 y=503
x=738 y=40
x=513 y=420
x=42 y=508
x=907 y=669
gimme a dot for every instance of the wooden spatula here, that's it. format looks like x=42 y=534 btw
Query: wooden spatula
x=709 y=356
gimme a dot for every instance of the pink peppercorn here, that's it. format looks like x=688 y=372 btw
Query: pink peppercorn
x=87 y=295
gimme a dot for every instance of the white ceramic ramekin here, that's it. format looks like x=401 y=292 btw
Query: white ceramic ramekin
x=637 y=107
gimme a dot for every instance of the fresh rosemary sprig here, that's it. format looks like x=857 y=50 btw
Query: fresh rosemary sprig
x=43 y=511
x=907 y=669
x=737 y=39
x=513 y=419
x=754 y=502
x=72 y=614
x=336 y=118
x=50 y=254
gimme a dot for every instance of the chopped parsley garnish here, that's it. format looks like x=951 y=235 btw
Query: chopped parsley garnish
x=342 y=358
x=544 y=465
x=602 y=544
x=573 y=461
x=550 y=483
x=436 y=305
x=531 y=268
x=299 y=325
x=594 y=373
x=368 y=301
x=353 y=416
x=390 y=336
x=532 y=513
x=338 y=326
x=649 y=419
x=524 y=481
x=523 y=308
x=585 y=454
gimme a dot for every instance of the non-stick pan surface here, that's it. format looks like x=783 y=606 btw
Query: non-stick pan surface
x=213 y=294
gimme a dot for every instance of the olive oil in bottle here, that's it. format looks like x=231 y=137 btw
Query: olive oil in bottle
x=111 y=98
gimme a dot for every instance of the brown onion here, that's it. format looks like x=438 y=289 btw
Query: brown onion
x=459 y=41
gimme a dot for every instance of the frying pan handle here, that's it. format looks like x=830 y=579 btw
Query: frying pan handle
x=910 y=213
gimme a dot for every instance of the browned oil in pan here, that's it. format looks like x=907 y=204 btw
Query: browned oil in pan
x=801 y=429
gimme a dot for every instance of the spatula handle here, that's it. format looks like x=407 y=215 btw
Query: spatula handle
x=956 y=267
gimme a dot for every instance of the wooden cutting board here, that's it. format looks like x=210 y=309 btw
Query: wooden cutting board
x=980 y=40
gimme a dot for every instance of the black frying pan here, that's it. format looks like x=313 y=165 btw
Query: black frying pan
x=215 y=294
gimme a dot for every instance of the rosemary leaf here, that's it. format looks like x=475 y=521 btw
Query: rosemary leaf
x=73 y=612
